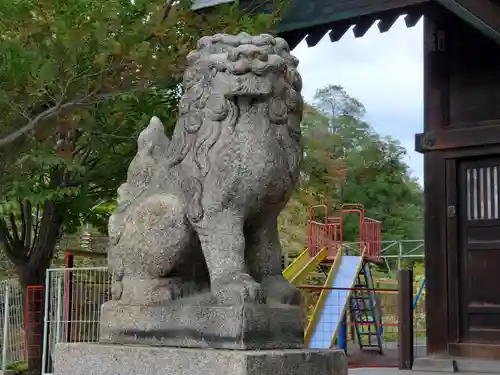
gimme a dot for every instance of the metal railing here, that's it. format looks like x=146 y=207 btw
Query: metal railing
x=74 y=295
x=11 y=322
x=327 y=232
x=396 y=254
x=73 y=299
x=356 y=332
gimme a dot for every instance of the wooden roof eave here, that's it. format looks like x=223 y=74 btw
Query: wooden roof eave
x=201 y=4
x=481 y=14
x=350 y=10
x=360 y=25
x=336 y=19
x=484 y=15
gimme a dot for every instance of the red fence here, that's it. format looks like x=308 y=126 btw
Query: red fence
x=372 y=231
x=33 y=322
x=328 y=231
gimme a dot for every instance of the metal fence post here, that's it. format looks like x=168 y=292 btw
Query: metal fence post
x=400 y=245
x=405 y=319
x=45 y=331
x=5 y=329
x=59 y=320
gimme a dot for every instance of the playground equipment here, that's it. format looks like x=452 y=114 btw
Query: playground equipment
x=419 y=294
x=349 y=287
x=419 y=284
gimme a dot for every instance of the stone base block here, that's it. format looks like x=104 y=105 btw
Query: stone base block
x=204 y=326
x=434 y=365
x=106 y=359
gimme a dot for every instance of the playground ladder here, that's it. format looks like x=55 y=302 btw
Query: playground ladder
x=365 y=311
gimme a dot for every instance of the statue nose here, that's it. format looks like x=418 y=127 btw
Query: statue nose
x=241 y=66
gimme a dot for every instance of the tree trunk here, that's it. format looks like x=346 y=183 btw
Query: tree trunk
x=34 y=311
x=32 y=273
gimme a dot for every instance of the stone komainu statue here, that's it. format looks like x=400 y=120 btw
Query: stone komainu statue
x=198 y=213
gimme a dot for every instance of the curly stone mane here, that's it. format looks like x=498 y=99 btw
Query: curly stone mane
x=204 y=110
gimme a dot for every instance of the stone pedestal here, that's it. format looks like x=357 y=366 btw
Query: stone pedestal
x=181 y=324
x=107 y=359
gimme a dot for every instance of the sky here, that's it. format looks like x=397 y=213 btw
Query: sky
x=383 y=71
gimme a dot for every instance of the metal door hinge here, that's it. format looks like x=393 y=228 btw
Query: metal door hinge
x=451 y=211
x=436 y=41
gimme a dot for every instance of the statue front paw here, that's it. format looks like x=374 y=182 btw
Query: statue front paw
x=235 y=289
x=278 y=289
x=116 y=290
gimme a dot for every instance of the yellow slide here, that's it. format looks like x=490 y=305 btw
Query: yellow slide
x=303 y=266
x=333 y=302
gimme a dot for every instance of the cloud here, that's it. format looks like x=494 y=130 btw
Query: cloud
x=384 y=71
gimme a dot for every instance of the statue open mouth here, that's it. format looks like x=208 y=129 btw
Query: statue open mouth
x=252 y=71
x=249 y=85
x=244 y=70
x=253 y=78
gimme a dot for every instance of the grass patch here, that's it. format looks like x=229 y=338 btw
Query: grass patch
x=18 y=368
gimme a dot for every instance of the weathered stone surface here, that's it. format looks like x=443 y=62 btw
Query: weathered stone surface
x=212 y=326
x=104 y=359
x=198 y=212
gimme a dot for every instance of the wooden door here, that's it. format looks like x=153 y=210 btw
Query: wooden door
x=479 y=250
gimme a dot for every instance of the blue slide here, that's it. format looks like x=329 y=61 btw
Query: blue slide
x=332 y=303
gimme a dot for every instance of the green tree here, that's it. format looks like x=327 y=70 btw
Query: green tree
x=345 y=161
x=377 y=175
x=321 y=178
x=322 y=167
x=79 y=80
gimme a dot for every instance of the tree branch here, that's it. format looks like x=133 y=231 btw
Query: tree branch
x=61 y=107
x=28 y=224
x=54 y=111
x=166 y=12
x=17 y=258
x=4 y=231
x=35 y=228
x=13 y=228
x=23 y=221
x=50 y=231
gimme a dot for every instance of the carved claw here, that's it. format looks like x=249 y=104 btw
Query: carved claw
x=278 y=288
x=116 y=290
x=237 y=289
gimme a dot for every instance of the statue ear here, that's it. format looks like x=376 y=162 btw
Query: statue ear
x=142 y=142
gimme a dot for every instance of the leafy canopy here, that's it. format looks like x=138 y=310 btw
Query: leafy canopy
x=79 y=80
x=58 y=56
x=346 y=161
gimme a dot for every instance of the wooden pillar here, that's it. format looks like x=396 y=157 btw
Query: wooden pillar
x=436 y=118
x=405 y=319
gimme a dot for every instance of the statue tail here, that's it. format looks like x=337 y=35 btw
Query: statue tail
x=152 y=145
x=154 y=135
